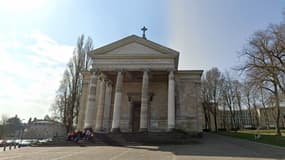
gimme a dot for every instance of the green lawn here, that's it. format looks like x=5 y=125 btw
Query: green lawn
x=262 y=132
x=267 y=136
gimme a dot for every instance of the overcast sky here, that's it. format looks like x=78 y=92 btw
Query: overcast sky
x=37 y=38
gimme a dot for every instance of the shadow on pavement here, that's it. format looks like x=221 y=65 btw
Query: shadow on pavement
x=213 y=145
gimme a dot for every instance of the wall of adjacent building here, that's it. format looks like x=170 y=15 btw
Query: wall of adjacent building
x=42 y=129
x=268 y=117
x=260 y=118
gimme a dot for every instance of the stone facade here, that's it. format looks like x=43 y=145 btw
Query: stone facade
x=135 y=86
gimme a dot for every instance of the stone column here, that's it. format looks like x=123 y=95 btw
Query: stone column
x=100 y=108
x=107 y=107
x=117 y=103
x=90 y=108
x=171 y=101
x=144 y=103
x=83 y=100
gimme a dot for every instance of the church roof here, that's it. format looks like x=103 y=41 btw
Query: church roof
x=137 y=39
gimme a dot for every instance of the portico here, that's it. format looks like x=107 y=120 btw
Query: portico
x=132 y=88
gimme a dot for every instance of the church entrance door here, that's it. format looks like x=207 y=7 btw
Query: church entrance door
x=136 y=116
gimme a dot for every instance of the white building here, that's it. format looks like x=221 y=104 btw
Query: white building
x=41 y=129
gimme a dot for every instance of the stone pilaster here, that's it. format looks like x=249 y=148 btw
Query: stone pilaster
x=90 y=108
x=117 y=103
x=83 y=100
x=171 y=101
x=107 y=107
x=144 y=103
x=100 y=107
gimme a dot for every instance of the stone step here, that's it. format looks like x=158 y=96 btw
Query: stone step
x=145 y=138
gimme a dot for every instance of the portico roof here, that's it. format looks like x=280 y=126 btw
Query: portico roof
x=132 y=39
x=134 y=47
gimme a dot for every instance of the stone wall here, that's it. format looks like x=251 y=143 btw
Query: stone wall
x=188 y=105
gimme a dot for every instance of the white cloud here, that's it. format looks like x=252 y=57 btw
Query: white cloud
x=30 y=71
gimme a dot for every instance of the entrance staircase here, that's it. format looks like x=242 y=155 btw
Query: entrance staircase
x=145 y=138
x=130 y=139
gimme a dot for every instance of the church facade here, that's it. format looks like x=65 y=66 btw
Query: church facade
x=135 y=86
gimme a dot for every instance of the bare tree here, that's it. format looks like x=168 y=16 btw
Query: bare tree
x=247 y=91
x=237 y=86
x=211 y=92
x=229 y=98
x=265 y=56
x=66 y=105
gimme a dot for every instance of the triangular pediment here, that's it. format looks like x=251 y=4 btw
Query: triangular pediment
x=132 y=46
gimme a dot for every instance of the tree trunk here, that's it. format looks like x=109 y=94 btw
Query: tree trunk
x=277 y=101
x=215 y=118
x=256 y=115
x=265 y=112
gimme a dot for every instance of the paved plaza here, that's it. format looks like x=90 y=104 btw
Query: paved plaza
x=210 y=147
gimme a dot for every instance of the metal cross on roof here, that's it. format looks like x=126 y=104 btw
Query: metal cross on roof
x=144 y=29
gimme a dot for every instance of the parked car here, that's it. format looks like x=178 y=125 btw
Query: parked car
x=10 y=141
x=26 y=142
x=43 y=140
x=17 y=141
x=2 y=142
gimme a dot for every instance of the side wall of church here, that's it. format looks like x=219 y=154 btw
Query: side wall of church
x=188 y=105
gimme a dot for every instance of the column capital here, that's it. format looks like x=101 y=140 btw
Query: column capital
x=171 y=70
x=95 y=71
x=85 y=73
x=146 y=73
x=171 y=75
x=109 y=83
x=146 y=70
x=120 y=70
x=102 y=77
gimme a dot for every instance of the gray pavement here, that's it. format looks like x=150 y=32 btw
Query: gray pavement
x=210 y=147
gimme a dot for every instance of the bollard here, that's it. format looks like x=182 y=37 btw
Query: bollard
x=4 y=147
x=10 y=146
x=15 y=145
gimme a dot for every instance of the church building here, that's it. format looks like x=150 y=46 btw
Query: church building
x=135 y=86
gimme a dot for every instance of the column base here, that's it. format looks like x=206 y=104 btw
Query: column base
x=143 y=130
x=115 y=130
x=99 y=130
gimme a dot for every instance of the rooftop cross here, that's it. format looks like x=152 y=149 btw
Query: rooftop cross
x=144 y=29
